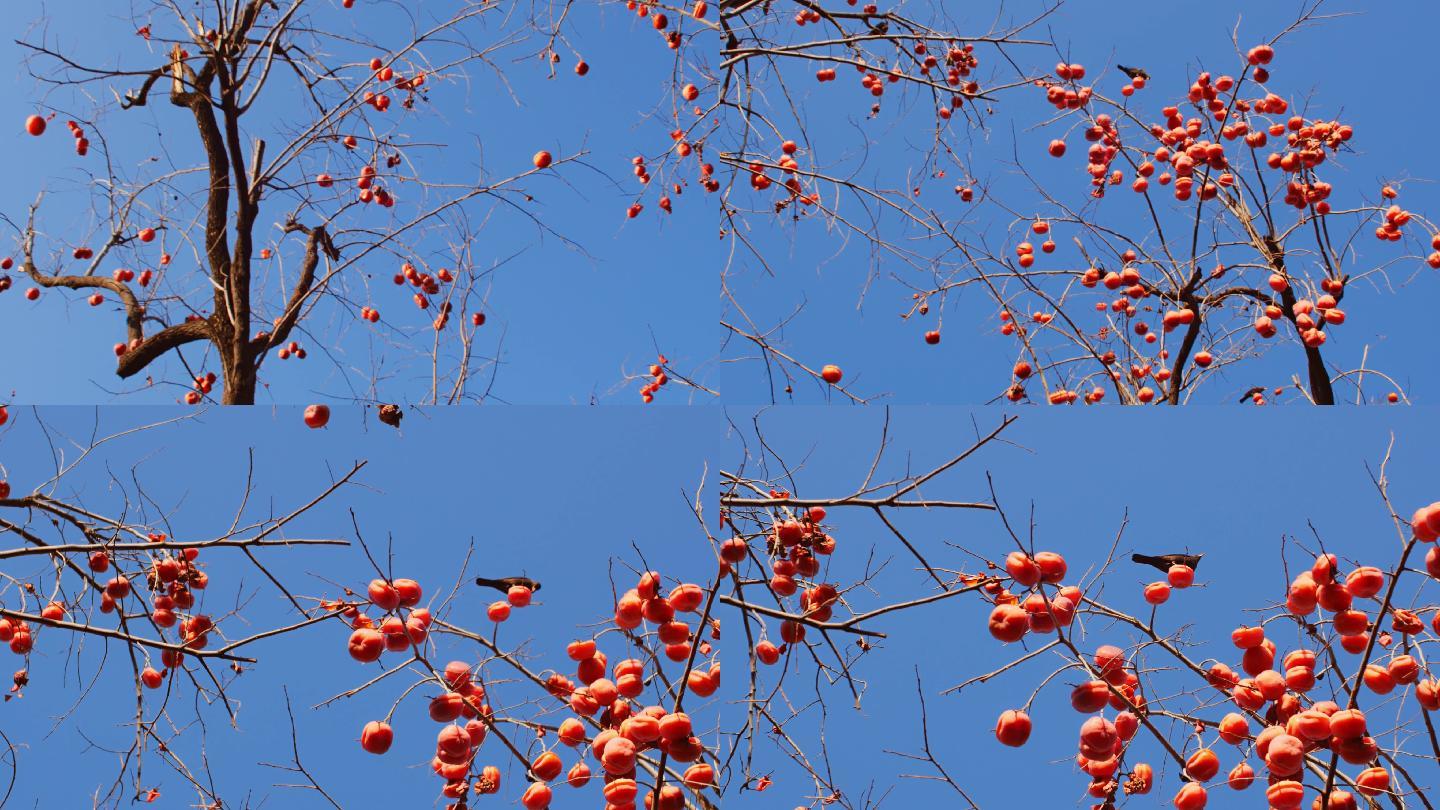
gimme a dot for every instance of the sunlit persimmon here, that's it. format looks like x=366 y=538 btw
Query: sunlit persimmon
x=1089 y=697
x=1285 y=795
x=1377 y=679
x=1009 y=623
x=1427 y=694
x=1052 y=566
x=1347 y=723
x=376 y=737
x=1022 y=568
x=1191 y=797
x=1247 y=637
x=366 y=645
x=1234 y=728
x=1013 y=728
x=1364 y=582
x=316 y=416
x=1156 y=593
x=1202 y=765
x=1350 y=622
x=1109 y=659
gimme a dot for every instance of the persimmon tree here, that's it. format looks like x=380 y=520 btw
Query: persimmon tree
x=777 y=64
x=150 y=606
x=1324 y=699
x=616 y=715
x=1191 y=224
x=290 y=200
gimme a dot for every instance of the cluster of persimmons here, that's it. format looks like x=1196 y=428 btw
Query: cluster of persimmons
x=608 y=720
x=1294 y=728
x=1215 y=143
x=171 y=578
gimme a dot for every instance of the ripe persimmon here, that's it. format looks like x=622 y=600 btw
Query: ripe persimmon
x=317 y=416
x=1202 y=765
x=382 y=594
x=767 y=653
x=1364 y=582
x=1052 y=566
x=1109 y=659
x=1013 y=728
x=1191 y=797
x=537 y=796
x=1156 y=593
x=1090 y=697
x=1247 y=637
x=1008 y=623
x=1022 y=569
x=1234 y=728
x=376 y=737
x=366 y=644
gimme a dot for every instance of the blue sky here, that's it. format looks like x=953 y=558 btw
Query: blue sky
x=848 y=299
x=574 y=318
x=556 y=494
x=1229 y=489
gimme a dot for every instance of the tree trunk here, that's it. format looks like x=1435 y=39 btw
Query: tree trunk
x=1320 y=389
x=239 y=382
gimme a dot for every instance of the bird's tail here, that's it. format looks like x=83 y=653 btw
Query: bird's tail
x=1145 y=559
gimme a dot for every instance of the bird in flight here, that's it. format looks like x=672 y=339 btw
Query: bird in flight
x=1164 y=561
x=1134 y=72
x=506 y=583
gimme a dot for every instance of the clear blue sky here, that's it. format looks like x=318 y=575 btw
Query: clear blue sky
x=555 y=493
x=574 y=320
x=1229 y=488
x=1360 y=68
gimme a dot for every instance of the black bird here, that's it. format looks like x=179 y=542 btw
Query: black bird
x=1164 y=561
x=1134 y=72
x=1249 y=395
x=506 y=583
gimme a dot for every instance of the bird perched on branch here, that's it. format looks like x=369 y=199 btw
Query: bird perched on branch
x=1250 y=394
x=1134 y=72
x=1164 y=561
x=506 y=583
